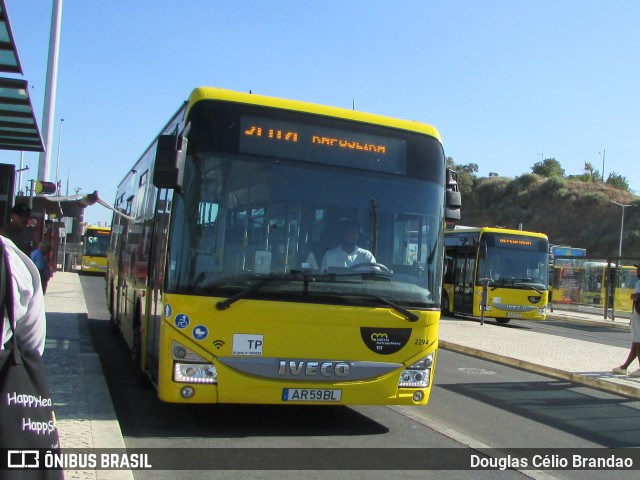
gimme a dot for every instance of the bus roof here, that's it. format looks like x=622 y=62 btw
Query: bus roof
x=221 y=94
x=509 y=231
x=97 y=227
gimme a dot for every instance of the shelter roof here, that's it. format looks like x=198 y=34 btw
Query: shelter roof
x=18 y=126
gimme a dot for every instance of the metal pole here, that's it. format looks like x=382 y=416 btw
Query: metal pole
x=621 y=224
x=621 y=230
x=58 y=189
x=31 y=192
x=485 y=298
x=50 y=90
x=20 y=171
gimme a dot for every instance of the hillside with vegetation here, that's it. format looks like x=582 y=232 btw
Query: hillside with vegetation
x=576 y=211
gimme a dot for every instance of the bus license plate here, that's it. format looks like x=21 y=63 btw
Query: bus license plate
x=310 y=395
x=514 y=315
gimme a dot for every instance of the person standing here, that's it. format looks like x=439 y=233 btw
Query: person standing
x=635 y=332
x=40 y=257
x=29 y=312
x=15 y=230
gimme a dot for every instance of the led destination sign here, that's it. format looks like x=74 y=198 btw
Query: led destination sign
x=515 y=241
x=535 y=244
x=311 y=143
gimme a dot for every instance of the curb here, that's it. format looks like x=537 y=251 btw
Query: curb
x=611 y=387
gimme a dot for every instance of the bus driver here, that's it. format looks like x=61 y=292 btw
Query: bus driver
x=348 y=253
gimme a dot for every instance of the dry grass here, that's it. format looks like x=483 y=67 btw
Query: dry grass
x=570 y=212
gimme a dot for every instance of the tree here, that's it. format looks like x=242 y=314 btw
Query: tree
x=550 y=167
x=588 y=167
x=618 y=181
x=590 y=174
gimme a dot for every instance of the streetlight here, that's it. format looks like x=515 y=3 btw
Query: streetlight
x=621 y=225
x=541 y=157
x=604 y=153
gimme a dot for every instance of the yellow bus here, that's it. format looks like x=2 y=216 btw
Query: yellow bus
x=515 y=264
x=597 y=279
x=216 y=274
x=625 y=286
x=95 y=241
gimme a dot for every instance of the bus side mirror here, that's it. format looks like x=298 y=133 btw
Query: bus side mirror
x=453 y=200
x=171 y=152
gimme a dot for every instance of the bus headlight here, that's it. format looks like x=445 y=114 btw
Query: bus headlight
x=417 y=375
x=195 y=373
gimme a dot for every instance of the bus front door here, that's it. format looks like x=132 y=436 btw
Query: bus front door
x=463 y=282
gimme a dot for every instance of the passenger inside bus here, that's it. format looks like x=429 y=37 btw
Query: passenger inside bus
x=347 y=254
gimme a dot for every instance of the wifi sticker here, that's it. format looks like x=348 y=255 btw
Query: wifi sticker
x=218 y=344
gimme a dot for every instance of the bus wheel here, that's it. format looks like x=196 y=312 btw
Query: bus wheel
x=503 y=320
x=444 y=307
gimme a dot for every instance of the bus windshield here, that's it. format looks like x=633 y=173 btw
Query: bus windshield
x=263 y=226
x=96 y=243
x=514 y=261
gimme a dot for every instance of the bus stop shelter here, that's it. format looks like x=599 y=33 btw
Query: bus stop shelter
x=18 y=126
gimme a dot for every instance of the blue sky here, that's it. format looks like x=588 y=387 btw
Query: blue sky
x=506 y=83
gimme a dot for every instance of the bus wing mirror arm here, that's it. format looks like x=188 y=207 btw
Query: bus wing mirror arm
x=453 y=199
x=168 y=171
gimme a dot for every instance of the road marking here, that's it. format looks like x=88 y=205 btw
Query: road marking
x=476 y=371
x=417 y=416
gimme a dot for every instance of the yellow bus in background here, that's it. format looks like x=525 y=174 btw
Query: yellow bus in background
x=215 y=275
x=597 y=278
x=95 y=242
x=515 y=264
x=625 y=286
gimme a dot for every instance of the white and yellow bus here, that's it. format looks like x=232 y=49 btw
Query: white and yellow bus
x=95 y=242
x=597 y=285
x=215 y=277
x=514 y=263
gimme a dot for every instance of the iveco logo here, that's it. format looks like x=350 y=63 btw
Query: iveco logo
x=515 y=308
x=313 y=369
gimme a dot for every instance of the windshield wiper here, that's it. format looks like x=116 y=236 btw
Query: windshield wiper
x=224 y=304
x=410 y=316
x=512 y=282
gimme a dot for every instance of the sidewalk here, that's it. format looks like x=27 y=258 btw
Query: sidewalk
x=84 y=411
x=87 y=419
x=578 y=361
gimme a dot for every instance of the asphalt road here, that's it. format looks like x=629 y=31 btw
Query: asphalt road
x=474 y=403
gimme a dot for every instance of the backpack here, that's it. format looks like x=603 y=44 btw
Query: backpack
x=26 y=408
